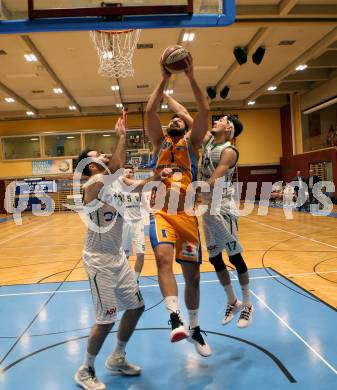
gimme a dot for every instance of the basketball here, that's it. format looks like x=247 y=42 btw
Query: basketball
x=174 y=58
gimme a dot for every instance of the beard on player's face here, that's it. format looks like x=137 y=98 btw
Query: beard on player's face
x=176 y=128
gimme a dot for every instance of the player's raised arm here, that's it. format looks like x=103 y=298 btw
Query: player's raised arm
x=154 y=129
x=138 y=185
x=200 y=122
x=228 y=159
x=179 y=109
x=117 y=160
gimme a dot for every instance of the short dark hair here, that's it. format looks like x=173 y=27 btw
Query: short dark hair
x=238 y=126
x=177 y=116
x=82 y=156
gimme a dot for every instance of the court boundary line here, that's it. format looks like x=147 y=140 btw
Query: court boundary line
x=44 y=305
x=269 y=354
x=304 y=289
x=294 y=234
x=293 y=331
x=157 y=285
x=39 y=227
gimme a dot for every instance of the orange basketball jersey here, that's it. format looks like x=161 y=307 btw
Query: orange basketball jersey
x=178 y=156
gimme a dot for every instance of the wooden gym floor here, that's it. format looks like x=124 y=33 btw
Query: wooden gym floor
x=304 y=249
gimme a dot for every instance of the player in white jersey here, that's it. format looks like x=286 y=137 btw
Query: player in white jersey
x=112 y=281
x=133 y=229
x=220 y=226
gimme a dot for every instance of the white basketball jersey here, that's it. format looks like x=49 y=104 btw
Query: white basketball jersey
x=211 y=158
x=132 y=202
x=104 y=235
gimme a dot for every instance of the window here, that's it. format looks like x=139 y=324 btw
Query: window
x=319 y=129
x=62 y=145
x=103 y=142
x=21 y=147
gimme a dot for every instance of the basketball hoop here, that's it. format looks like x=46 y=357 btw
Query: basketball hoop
x=115 y=51
x=135 y=161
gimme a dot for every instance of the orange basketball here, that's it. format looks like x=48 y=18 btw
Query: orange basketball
x=174 y=58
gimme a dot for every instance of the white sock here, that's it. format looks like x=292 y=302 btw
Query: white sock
x=120 y=347
x=230 y=293
x=137 y=275
x=245 y=294
x=172 y=304
x=89 y=360
x=194 y=318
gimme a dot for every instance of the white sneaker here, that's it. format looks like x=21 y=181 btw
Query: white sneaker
x=86 y=378
x=200 y=344
x=246 y=316
x=178 y=329
x=231 y=310
x=118 y=365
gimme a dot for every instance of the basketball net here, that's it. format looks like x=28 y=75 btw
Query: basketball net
x=115 y=51
x=135 y=162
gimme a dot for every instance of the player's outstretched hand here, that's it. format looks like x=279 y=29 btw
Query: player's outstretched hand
x=189 y=66
x=165 y=73
x=120 y=128
x=166 y=172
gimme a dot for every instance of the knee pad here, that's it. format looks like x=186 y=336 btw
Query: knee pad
x=238 y=263
x=218 y=263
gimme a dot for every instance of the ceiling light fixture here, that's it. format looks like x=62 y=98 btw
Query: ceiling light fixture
x=30 y=57
x=30 y=113
x=251 y=103
x=72 y=108
x=169 y=91
x=106 y=135
x=301 y=67
x=107 y=55
x=9 y=100
x=57 y=90
x=272 y=88
x=164 y=106
x=188 y=37
x=115 y=87
x=70 y=137
x=119 y=105
x=34 y=139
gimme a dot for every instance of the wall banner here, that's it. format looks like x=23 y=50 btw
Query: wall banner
x=52 y=167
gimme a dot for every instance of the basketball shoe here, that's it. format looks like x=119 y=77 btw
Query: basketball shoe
x=86 y=378
x=200 y=344
x=246 y=316
x=231 y=310
x=178 y=330
x=118 y=365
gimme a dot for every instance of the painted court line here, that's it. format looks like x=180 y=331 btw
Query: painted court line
x=332 y=368
x=25 y=232
x=293 y=234
x=157 y=285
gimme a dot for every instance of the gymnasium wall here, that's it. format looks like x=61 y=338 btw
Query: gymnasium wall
x=291 y=164
x=260 y=142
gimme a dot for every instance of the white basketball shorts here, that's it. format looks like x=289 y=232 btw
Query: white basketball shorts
x=133 y=237
x=221 y=233
x=113 y=286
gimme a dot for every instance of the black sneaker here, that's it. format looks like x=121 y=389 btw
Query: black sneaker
x=178 y=330
x=200 y=344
